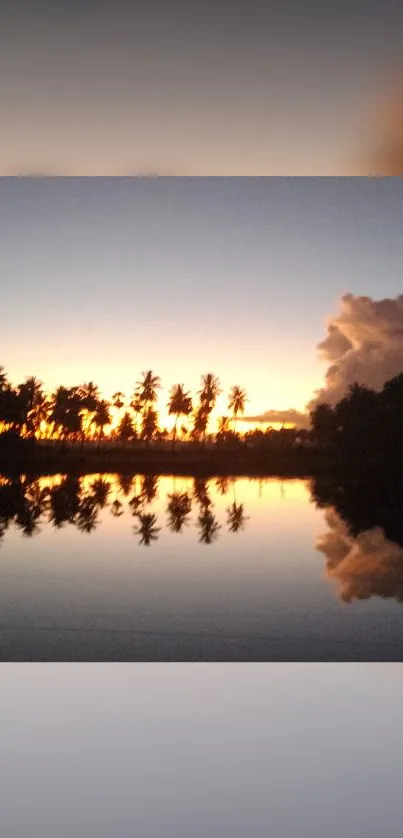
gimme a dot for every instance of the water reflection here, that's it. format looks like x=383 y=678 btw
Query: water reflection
x=363 y=546
x=62 y=500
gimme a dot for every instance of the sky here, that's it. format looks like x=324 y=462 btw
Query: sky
x=250 y=88
x=171 y=750
x=104 y=278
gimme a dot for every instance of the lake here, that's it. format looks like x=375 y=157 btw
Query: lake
x=145 y=568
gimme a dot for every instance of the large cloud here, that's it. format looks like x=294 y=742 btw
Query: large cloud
x=365 y=565
x=364 y=344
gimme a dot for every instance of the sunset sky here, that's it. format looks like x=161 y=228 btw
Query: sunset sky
x=104 y=278
x=250 y=88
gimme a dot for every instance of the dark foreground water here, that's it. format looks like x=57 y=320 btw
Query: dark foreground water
x=142 y=568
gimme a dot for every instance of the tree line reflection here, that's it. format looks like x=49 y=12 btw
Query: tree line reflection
x=28 y=503
x=363 y=543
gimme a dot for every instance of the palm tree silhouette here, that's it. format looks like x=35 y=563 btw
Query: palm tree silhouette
x=101 y=417
x=147 y=388
x=208 y=394
x=147 y=529
x=149 y=425
x=180 y=404
x=236 y=402
x=89 y=395
x=118 y=399
x=210 y=390
x=137 y=407
x=125 y=429
x=34 y=405
x=3 y=378
x=66 y=412
x=223 y=426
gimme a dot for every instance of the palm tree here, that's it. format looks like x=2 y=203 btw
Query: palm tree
x=118 y=399
x=149 y=425
x=147 y=387
x=89 y=394
x=34 y=405
x=137 y=407
x=180 y=404
x=208 y=395
x=200 y=423
x=65 y=412
x=90 y=397
x=210 y=390
x=101 y=417
x=125 y=429
x=223 y=426
x=236 y=401
x=3 y=378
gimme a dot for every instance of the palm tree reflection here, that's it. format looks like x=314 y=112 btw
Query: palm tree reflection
x=236 y=518
x=64 y=502
x=149 y=487
x=147 y=530
x=75 y=500
x=100 y=490
x=208 y=526
x=179 y=508
x=87 y=517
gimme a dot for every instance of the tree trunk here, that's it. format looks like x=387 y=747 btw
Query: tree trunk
x=174 y=433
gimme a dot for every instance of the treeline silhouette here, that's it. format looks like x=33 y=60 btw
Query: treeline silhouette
x=27 y=504
x=65 y=431
x=365 y=427
x=80 y=413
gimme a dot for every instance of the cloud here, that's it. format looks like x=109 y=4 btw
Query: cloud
x=291 y=417
x=365 y=565
x=364 y=343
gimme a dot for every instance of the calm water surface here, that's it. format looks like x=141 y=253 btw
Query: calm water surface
x=141 y=568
